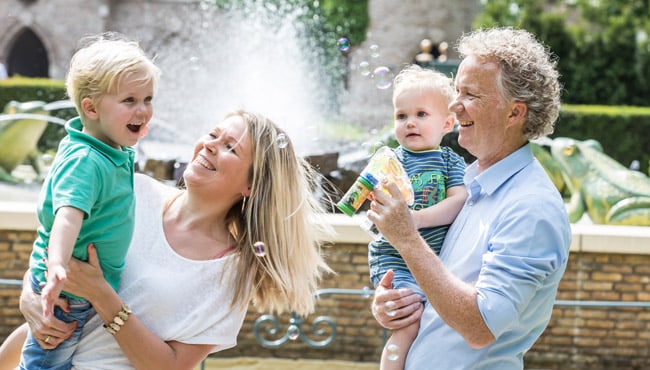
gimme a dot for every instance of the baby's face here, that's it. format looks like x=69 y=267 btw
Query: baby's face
x=421 y=119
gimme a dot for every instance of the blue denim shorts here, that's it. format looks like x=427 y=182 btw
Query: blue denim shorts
x=36 y=358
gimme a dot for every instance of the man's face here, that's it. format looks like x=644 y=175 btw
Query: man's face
x=481 y=111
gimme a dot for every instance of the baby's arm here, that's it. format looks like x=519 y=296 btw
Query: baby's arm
x=443 y=212
x=65 y=230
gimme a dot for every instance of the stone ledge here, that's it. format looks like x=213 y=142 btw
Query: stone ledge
x=586 y=237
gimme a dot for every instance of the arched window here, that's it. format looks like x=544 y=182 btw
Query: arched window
x=28 y=56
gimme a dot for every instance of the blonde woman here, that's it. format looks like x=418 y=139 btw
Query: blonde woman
x=246 y=228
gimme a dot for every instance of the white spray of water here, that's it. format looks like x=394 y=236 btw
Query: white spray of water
x=253 y=59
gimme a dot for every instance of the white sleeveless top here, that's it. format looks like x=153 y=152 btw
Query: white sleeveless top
x=176 y=298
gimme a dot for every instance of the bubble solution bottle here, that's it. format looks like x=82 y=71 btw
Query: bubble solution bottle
x=383 y=164
x=357 y=194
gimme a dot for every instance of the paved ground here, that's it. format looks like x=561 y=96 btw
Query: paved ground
x=251 y=363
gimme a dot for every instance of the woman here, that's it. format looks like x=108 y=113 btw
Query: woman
x=245 y=229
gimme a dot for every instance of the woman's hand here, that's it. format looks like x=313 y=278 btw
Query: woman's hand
x=85 y=279
x=395 y=308
x=50 y=331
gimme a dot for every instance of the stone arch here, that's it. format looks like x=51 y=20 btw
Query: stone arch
x=27 y=55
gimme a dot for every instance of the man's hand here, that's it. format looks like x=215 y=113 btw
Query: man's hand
x=395 y=308
x=391 y=215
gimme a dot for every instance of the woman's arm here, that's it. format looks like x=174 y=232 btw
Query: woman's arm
x=142 y=347
x=11 y=348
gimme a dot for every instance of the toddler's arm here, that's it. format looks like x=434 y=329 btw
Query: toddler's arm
x=444 y=212
x=65 y=231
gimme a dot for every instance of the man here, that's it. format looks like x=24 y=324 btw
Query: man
x=490 y=294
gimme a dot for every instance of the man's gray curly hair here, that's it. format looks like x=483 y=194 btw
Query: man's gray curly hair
x=527 y=73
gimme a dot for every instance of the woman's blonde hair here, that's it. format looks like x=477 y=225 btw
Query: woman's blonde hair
x=283 y=213
x=100 y=65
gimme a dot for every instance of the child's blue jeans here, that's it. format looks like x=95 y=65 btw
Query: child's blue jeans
x=36 y=358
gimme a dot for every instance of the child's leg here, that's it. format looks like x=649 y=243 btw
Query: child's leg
x=34 y=357
x=11 y=347
x=393 y=357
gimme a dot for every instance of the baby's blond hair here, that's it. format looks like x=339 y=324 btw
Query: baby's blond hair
x=415 y=77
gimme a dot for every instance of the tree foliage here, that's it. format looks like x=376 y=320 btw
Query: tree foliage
x=602 y=45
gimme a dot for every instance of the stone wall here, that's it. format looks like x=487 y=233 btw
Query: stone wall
x=58 y=24
x=597 y=338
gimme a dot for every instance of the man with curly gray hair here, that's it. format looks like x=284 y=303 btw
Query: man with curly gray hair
x=490 y=292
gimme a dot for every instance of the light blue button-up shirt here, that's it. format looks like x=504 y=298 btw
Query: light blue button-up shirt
x=511 y=241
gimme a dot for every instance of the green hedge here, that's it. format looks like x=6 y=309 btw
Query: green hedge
x=44 y=89
x=621 y=130
x=26 y=89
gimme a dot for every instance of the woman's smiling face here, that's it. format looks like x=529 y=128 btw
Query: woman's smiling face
x=223 y=156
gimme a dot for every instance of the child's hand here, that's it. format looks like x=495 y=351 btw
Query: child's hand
x=56 y=276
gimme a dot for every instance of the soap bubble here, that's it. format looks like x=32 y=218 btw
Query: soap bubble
x=392 y=352
x=343 y=44
x=260 y=249
x=364 y=68
x=374 y=50
x=383 y=77
x=390 y=307
x=293 y=332
x=367 y=292
x=282 y=141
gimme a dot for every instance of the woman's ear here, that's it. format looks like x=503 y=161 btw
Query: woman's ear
x=247 y=192
x=89 y=108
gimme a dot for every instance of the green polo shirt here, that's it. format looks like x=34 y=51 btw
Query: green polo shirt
x=97 y=179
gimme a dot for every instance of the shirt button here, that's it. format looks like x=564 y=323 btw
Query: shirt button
x=471 y=203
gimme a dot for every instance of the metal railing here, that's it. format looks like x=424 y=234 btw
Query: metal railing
x=324 y=327
x=294 y=330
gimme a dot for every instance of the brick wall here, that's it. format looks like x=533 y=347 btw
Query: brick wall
x=577 y=337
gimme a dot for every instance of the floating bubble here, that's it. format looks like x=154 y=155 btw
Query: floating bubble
x=343 y=44
x=364 y=68
x=293 y=332
x=383 y=77
x=374 y=50
x=392 y=352
x=367 y=292
x=390 y=307
x=260 y=249
x=282 y=141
